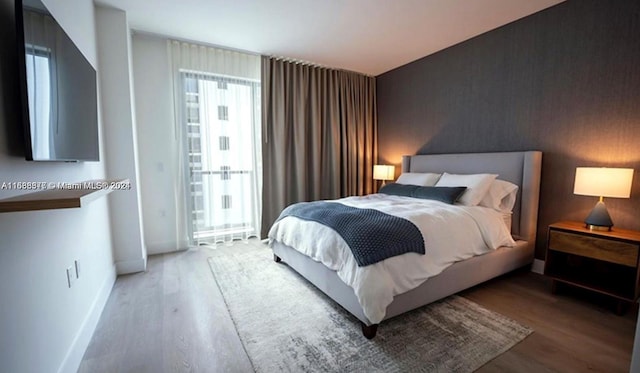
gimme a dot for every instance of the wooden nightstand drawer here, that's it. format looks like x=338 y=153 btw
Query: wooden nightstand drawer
x=593 y=247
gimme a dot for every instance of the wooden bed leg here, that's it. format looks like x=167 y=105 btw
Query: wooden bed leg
x=369 y=331
x=276 y=258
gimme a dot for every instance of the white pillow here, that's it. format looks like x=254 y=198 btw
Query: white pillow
x=420 y=179
x=500 y=235
x=477 y=186
x=506 y=218
x=501 y=196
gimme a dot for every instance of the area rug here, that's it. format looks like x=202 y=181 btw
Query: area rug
x=287 y=325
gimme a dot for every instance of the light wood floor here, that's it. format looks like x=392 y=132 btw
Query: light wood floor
x=573 y=331
x=173 y=319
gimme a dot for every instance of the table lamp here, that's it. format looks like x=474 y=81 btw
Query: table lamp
x=602 y=182
x=384 y=172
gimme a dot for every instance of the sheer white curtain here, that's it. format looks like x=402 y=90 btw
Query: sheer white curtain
x=217 y=106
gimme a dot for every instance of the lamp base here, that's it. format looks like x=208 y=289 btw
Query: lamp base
x=599 y=218
x=599 y=228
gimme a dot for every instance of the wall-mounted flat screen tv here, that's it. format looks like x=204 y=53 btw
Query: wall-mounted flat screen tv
x=58 y=89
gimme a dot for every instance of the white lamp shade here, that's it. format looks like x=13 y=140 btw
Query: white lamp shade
x=603 y=182
x=384 y=172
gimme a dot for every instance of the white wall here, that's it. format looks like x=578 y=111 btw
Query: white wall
x=118 y=114
x=44 y=325
x=156 y=142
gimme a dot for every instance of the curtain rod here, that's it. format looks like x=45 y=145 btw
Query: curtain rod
x=298 y=61
x=276 y=57
x=194 y=42
x=314 y=64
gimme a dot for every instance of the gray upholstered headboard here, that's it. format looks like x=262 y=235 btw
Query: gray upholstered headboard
x=521 y=168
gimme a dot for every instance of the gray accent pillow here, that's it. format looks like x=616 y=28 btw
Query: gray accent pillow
x=404 y=190
x=443 y=194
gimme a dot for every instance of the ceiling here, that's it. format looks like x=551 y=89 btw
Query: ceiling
x=367 y=36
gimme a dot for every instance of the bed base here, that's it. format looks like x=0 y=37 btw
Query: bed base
x=457 y=277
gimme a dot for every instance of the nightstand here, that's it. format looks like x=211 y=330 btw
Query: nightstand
x=605 y=262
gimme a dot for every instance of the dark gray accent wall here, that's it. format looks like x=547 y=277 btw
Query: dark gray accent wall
x=565 y=81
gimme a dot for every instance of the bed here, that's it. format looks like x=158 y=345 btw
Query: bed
x=520 y=168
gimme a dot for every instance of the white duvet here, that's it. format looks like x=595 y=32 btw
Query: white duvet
x=451 y=233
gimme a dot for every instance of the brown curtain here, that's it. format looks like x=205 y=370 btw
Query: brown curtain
x=319 y=131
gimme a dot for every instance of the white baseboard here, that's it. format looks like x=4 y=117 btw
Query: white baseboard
x=72 y=361
x=131 y=266
x=538 y=266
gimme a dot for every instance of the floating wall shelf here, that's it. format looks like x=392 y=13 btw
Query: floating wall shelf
x=63 y=196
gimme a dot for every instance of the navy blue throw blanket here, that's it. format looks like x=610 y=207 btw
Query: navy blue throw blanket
x=372 y=235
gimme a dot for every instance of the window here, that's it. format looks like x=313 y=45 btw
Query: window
x=223 y=112
x=222 y=119
x=224 y=142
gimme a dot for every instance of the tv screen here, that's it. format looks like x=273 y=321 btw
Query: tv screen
x=59 y=96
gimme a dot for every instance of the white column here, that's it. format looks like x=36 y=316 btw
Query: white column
x=118 y=114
